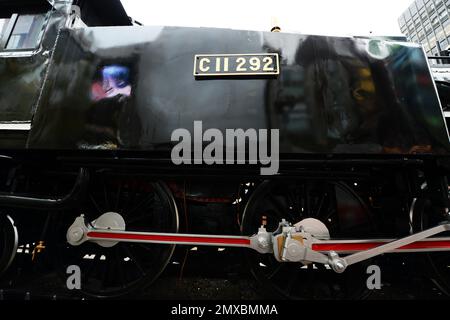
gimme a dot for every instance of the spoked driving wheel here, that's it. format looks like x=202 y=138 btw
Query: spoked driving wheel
x=8 y=242
x=438 y=263
x=124 y=267
x=335 y=205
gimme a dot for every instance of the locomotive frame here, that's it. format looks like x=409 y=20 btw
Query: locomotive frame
x=63 y=155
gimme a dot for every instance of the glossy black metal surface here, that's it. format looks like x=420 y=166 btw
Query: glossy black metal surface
x=22 y=72
x=334 y=95
x=103 y=12
x=30 y=202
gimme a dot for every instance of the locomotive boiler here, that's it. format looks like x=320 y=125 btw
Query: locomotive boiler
x=119 y=142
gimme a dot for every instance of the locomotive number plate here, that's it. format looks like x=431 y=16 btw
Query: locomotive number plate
x=222 y=65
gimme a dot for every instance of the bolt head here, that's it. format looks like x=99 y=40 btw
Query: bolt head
x=294 y=250
x=75 y=234
x=339 y=266
x=263 y=243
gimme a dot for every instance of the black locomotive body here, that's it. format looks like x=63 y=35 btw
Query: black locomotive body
x=86 y=122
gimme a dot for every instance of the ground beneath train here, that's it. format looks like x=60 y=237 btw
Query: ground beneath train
x=212 y=274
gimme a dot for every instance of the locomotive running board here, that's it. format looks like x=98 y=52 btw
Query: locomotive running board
x=288 y=244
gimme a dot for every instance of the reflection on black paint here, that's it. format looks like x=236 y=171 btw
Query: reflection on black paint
x=333 y=95
x=114 y=80
x=110 y=94
x=345 y=97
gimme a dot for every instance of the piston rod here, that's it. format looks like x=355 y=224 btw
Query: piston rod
x=287 y=243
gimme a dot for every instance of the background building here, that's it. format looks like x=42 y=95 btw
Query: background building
x=427 y=22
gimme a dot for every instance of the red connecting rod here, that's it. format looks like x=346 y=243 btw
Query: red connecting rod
x=339 y=246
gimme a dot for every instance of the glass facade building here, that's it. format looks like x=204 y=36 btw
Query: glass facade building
x=427 y=22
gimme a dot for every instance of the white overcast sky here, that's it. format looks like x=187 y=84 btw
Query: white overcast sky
x=327 y=17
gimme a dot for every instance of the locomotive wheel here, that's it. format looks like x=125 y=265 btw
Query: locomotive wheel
x=438 y=263
x=124 y=268
x=9 y=240
x=338 y=207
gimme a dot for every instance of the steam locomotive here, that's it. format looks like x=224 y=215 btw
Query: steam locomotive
x=89 y=104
